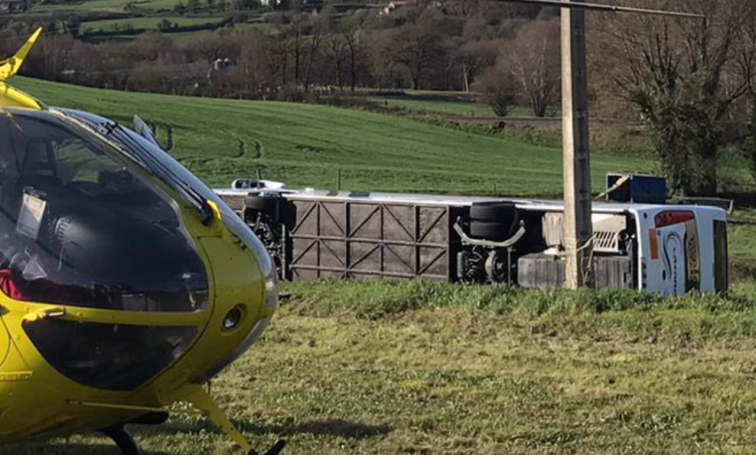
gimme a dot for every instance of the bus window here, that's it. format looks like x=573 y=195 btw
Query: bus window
x=721 y=278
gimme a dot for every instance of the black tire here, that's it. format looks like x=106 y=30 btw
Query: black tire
x=487 y=230
x=499 y=212
x=261 y=204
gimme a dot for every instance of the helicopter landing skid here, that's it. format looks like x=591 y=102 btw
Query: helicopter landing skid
x=202 y=400
x=275 y=450
x=122 y=439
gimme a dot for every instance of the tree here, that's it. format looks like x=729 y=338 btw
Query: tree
x=165 y=25
x=417 y=46
x=473 y=58
x=193 y=5
x=498 y=88
x=336 y=50
x=276 y=50
x=533 y=58
x=679 y=74
x=355 y=48
x=314 y=44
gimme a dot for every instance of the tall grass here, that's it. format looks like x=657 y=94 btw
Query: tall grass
x=694 y=317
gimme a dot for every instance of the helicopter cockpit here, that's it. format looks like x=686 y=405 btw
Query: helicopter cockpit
x=78 y=226
x=125 y=282
x=83 y=224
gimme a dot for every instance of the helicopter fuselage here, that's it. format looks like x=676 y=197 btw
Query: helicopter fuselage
x=126 y=283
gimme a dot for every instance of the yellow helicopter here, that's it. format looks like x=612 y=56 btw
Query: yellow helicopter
x=126 y=283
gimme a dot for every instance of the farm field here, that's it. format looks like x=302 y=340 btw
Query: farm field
x=304 y=145
x=106 y=6
x=147 y=23
x=447 y=106
x=417 y=368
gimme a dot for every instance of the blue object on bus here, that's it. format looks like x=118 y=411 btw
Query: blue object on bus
x=640 y=189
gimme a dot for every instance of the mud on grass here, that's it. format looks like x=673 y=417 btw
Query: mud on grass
x=450 y=371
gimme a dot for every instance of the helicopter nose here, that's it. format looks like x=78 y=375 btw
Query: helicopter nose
x=244 y=292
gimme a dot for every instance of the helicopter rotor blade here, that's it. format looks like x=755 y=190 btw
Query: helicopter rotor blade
x=10 y=67
x=143 y=129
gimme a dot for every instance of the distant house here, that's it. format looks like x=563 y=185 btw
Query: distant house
x=15 y=6
x=223 y=64
x=396 y=4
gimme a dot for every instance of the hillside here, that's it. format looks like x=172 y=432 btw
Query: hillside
x=304 y=145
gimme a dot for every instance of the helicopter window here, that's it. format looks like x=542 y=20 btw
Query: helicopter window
x=81 y=225
x=109 y=356
x=77 y=161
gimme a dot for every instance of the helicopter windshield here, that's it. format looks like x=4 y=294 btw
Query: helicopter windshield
x=82 y=225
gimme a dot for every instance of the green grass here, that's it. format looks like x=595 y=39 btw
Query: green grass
x=446 y=106
x=106 y=5
x=147 y=23
x=304 y=145
x=480 y=370
x=419 y=368
x=449 y=107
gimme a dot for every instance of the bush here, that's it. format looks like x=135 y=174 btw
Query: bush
x=498 y=89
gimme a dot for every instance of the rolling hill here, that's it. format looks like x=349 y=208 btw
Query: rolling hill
x=304 y=145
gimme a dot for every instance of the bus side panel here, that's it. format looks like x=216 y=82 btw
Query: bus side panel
x=665 y=260
x=706 y=251
x=682 y=257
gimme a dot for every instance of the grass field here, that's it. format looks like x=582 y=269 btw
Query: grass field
x=106 y=5
x=454 y=107
x=147 y=23
x=304 y=145
x=417 y=368
x=429 y=369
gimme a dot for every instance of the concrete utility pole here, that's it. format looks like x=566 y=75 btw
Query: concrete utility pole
x=578 y=198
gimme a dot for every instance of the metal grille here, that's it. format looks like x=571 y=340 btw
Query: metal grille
x=606 y=242
x=370 y=240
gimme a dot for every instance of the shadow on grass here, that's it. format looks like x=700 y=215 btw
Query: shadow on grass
x=332 y=427
x=336 y=427
x=62 y=448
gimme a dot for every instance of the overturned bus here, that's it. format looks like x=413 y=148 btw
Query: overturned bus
x=311 y=234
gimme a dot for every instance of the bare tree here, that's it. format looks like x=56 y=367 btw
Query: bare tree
x=297 y=31
x=498 y=88
x=474 y=57
x=417 y=46
x=533 y=58
x=675 y=71
x=356 y=50
x=336 y=50
x=277 y=50
x=314 y=44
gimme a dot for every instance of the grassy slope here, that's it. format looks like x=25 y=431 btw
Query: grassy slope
x=146 y=22
x=304 y=144
x=105 y=5
x=417 y=368
x=449 y=106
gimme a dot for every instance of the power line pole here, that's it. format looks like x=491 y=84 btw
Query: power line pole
x=578 y=199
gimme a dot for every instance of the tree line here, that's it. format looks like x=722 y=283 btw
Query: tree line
x=291 y=53
x=691 y=82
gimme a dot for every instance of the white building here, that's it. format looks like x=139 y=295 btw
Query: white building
x=15 y=6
